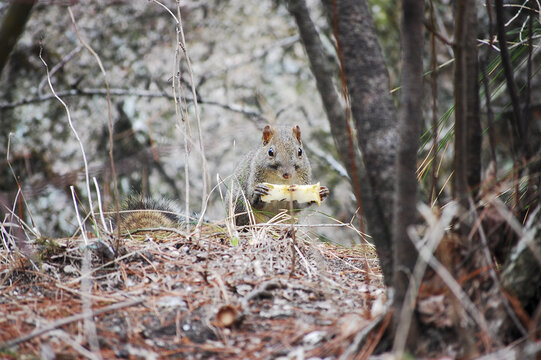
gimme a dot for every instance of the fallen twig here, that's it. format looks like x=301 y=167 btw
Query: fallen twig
x=70 y=319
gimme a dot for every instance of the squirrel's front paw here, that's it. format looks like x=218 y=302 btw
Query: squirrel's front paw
x=259 y=191
x=323 y=192
x=262 y=190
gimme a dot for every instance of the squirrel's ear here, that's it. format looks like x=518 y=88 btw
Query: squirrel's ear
x=268 y=132
x=297 y=132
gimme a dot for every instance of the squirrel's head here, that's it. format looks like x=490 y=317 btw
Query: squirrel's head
x=283 y=156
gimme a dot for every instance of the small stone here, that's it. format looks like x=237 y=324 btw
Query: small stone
x=70 y=269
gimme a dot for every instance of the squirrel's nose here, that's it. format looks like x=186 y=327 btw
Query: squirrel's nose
x=286 y=175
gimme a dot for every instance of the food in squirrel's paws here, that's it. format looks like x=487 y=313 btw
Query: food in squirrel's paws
x=279 y=158
x=299 y=193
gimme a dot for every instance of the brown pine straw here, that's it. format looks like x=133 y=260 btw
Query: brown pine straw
x=179 y=283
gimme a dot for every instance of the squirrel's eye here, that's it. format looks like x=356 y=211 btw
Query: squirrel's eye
x=271 y=152
x=299 y=152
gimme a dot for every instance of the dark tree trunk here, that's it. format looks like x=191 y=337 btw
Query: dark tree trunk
x=12 y=27
x=410 y=120
x=374 y=116
x=324 y=72
x=467 y=161
x=467 y=121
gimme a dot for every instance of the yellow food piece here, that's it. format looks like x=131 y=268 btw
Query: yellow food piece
x=299 y=193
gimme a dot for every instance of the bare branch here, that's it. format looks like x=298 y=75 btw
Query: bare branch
x=244 y=110
x=70 y=122
x=69 y=320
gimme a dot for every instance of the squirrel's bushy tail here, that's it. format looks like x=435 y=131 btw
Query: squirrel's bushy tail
x=138 y=212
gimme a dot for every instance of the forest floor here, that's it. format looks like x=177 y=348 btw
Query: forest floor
x=163 y=294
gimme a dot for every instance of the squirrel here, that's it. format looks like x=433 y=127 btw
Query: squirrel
x=138 y=212
x=279 y=159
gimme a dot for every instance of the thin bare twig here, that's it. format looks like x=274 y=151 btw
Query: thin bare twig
x=330 y=160
x=196 y=108
x=81 y=225
x=75 y=342
x=512 y=88
x=100 y=209
x=19 y=189
x=492 y=272
x=526 y=238
x=178 y=97
x=428 y=245
x=109 y=116
x=426 y=257
x=86 y=288
x=362 y=335
x=520 y=8
x=87 y=177
x=69 y=320
x=67 y=58
x=431 y=28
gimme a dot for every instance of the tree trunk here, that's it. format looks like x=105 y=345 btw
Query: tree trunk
x=410 y=120
x=467 y=121
x=323 y=71
x=12 y=27
x=467 y=161
x=373 y=112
